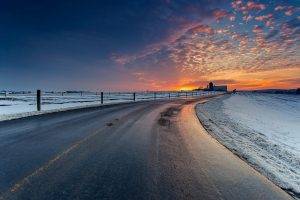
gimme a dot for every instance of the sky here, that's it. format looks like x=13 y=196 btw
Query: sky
x=118 y=45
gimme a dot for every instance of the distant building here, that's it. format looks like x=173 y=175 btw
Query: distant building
x=212 y=87
x=222 y=88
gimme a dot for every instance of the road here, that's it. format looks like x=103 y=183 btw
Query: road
x=144 y=150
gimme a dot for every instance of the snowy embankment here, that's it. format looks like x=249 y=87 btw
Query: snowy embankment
x=263 y=129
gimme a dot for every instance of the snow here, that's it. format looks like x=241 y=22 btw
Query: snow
x=277 y=116
x=263 y=129
x=22 y=105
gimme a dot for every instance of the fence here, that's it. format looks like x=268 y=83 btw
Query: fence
x=39 y=100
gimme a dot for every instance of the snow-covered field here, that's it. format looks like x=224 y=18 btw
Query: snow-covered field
x=20 y=105
x=263 y=129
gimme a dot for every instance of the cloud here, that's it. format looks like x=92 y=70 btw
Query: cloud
x=201 y=29
x=198 y=48
x=257 y=29
x=272 y=34
x=224 y=81
x=251 y=5
x=220 y=14
x=289 y=29
x=279 y=8
x=238 y=5
x=287 y=10
x=247 y=18
x=267 y=19
x=292 y=81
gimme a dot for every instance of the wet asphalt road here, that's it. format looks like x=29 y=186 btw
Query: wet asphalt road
x=146 y=150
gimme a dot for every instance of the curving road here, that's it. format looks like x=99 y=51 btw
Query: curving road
x=145 y=150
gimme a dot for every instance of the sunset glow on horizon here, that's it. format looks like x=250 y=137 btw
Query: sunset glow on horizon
x=162 y=45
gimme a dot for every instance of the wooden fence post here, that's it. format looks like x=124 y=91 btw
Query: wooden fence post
x=101 y=97
x=38 y=100
x=134 y=96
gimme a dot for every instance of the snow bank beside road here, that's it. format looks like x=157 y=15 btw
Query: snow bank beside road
x=276 y=116
x=264 y=129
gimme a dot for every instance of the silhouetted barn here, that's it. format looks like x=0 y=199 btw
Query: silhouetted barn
x=222 y=88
